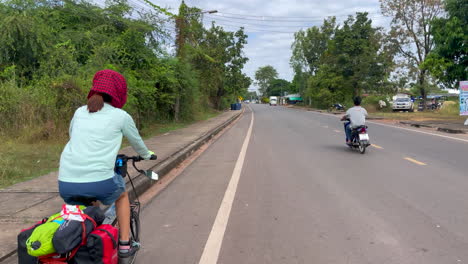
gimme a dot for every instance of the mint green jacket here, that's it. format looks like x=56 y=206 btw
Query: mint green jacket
x=95 y=139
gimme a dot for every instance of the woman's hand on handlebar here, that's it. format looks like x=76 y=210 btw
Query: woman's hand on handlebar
x=152 y=156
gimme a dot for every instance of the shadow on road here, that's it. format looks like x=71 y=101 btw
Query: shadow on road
x=337 y=148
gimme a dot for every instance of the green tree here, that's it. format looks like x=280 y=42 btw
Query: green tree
x=219 y=58
x=448 y=62
x=263 y=76
x=310 y=45
x=278 y=87
x=356 y=60
x=412 y=33
x=50 y=50
x=23 y=38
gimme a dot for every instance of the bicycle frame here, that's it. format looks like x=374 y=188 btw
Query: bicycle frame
x=121 y=168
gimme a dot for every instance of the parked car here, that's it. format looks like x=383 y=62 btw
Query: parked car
x=403 y=104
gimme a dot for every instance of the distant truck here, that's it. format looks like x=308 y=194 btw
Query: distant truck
x=402 y=102
x=273 y=100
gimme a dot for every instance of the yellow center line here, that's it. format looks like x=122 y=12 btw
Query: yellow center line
x=376 y=146
x=415 y=161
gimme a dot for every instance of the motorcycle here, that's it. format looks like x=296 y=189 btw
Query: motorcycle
x=359 y=139
x=338 y=107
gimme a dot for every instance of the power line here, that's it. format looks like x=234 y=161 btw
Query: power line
x=255 y=24
x=276 y=20
x=263 y=27
x=136 y=5
x=255 y=30
x=289 y=17
x=250 y=28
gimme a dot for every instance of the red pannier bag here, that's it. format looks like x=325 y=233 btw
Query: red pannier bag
x=68 y=258
x=100 y=248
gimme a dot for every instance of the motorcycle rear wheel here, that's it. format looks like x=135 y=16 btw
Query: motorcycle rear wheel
x=362 y=148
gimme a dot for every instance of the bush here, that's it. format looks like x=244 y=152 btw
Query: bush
x=10 y=98
x=322 y=98
x=41 y=109
x=450 y=108
x=371 y=103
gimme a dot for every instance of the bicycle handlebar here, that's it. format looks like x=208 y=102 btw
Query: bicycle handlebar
x=121 y=163
x=139 y=158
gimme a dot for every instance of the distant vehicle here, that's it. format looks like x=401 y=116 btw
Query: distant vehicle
x=247 y=101
x=273 y=100
x=359 y=138
x=403 y=104
x=339 y=107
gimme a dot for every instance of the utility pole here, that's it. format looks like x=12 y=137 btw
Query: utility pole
x=180 y=40
x=181 y=36
x=281 y=95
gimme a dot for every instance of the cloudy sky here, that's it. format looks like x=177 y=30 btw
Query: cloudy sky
x=270 y=24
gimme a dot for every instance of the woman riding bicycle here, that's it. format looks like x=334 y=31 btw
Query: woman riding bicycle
x=87 y=161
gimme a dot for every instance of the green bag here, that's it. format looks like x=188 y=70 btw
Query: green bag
x=40 y=241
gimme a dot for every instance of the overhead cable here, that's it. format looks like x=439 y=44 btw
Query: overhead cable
x=276 y=20
x=294 y=17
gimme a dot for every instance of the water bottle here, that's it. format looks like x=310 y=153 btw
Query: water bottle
x=110 y=215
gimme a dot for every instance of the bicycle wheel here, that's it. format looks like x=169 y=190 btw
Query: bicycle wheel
x=135 y=225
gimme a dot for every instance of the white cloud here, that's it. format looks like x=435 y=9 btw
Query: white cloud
x=266 y=44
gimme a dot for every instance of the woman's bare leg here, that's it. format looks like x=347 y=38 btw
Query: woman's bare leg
x=122 y=206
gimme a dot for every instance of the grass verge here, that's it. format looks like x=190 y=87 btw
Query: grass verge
x=420 y=116
x=448 y=115
x=22 y=160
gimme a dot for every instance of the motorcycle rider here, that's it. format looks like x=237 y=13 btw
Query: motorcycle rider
x=356 y=116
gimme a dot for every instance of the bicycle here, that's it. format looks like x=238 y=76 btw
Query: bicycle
x=121 y=169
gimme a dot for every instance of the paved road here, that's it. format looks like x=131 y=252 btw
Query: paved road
x=303 y=197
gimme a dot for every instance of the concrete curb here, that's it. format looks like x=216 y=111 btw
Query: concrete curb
x=451 y=131
x=415 y=124
x=441 y=129
x=142 y=183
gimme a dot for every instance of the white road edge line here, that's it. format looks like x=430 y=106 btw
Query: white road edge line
x=417 y=131
x=213 y=244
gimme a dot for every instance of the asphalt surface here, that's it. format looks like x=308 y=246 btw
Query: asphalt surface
x=304 y=197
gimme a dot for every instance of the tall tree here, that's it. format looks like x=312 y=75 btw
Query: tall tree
x=278 y=87
x=219 y=58
x=188 y=28
x=263 y=76
x=355 y=61
x=412 y=32
x=448 y=62
x=356 y=54
x=309 y=46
